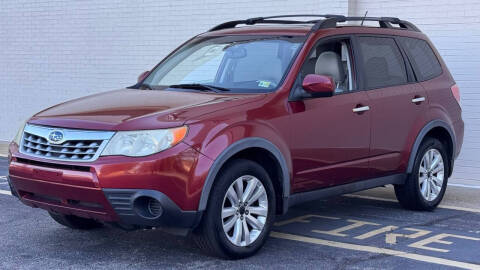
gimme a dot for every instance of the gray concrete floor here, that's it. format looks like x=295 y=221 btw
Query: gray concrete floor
x=338 y=233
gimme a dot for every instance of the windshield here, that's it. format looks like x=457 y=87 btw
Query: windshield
x=247 y=64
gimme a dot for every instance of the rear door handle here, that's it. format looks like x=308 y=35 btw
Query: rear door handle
x=418 y=100
x=361 y=109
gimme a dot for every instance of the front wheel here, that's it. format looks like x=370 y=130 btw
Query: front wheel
x=240 y=211
x=425 y=187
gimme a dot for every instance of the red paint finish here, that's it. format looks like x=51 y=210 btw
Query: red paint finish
x=396 y=121
x=178 y=172
x=319 y=84
x=330 y=145
x=323 y=142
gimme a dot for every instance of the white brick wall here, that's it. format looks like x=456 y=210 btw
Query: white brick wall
x=55 y=50
x=454 y=28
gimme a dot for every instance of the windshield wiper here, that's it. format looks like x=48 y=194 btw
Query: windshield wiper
x=200 y=86
x=145 y=86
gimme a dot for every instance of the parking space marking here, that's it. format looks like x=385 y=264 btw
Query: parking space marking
x=2 y=179
x=339 y=231
x=391 y=238
x=439 y=240
x=302 y=219
x=5 y=192
x=465 y=186
x=451 y=207
x=385 y=251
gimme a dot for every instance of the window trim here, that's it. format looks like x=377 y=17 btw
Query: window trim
x=408 y=69
x=295 y=96
x=415 y=69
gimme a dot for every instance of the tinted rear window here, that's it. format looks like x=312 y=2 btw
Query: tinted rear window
x=382 y=62
x=423 y=58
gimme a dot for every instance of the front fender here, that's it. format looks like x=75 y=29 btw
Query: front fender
x=230 y=151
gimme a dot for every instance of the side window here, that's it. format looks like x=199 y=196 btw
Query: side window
x=382 y=62
x=423 y=58
x=331 y=59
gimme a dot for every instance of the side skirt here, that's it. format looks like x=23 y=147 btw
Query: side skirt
x=302 y=197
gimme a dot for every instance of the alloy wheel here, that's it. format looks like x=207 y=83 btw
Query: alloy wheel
x=244 y=210
x=431 y=174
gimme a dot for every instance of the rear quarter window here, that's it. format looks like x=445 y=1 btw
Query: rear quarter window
x=382 y=62
x=423 y=59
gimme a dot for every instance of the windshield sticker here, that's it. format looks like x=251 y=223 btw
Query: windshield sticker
x=265 y=84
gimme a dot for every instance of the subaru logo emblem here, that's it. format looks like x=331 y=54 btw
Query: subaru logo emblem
x=55 y=137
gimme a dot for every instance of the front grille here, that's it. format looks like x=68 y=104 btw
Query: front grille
x=76 y=145
x=72 y=150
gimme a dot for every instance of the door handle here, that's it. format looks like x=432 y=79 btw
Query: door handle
x=417 y=100
x=361 y=109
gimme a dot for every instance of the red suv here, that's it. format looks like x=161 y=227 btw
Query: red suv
x=240 y=123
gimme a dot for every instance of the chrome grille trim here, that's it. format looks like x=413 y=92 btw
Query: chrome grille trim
x=78 y=145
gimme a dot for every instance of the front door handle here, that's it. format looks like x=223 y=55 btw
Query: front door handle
x=361 y=109
x=418 y=100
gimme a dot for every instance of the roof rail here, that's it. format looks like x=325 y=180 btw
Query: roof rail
x=327 y=21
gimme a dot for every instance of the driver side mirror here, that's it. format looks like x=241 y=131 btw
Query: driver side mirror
x=143 y=76
x=319 y=85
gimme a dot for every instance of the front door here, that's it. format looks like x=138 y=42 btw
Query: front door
x=330 y=135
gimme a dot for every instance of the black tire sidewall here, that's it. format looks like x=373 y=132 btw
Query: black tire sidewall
x=427 y=145
x=227 y=176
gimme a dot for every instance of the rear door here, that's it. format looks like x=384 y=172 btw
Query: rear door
x=397 y=102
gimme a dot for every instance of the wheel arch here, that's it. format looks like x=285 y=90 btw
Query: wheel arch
x=437 y=129
x=242 y=148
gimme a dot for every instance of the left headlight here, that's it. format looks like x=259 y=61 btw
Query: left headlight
x=143 y=142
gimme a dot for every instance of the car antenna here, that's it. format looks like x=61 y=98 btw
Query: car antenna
x=364 y=16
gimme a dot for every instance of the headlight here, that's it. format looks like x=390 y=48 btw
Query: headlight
x=18 y=137
x=143 y=142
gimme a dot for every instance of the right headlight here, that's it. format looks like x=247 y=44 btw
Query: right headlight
x=18 y=137
x=141 y=143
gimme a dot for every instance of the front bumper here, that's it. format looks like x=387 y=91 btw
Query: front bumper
x=109 y=189
x=129 y=206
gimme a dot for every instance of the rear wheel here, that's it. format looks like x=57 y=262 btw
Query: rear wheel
x=425 y=187
x=240 y=211
x=75 y=222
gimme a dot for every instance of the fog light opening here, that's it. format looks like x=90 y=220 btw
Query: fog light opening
x=148 y=207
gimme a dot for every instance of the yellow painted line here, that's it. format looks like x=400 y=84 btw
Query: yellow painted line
x=5 y=192
x=390 y=252
x=459 y=208
x=451 y=207
x=465 y=186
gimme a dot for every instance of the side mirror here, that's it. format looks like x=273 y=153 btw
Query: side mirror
x=143 y=76
x=319 y=85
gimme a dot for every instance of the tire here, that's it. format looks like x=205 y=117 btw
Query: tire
x=75 y=222
x=211 y=236
x=424 y=182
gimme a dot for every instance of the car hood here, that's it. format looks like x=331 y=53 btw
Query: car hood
x=132 y=109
